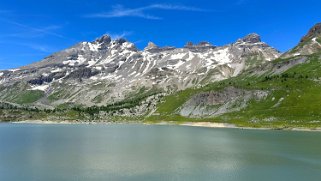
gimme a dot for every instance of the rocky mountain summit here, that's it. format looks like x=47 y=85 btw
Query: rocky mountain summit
x=251 y=38
x=106 y=71
x=315 y=31
x=309 y=44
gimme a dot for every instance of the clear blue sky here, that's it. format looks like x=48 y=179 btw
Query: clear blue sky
x=33 y=29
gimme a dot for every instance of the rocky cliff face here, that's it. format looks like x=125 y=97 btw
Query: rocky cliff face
x=106 y=70
x=209 y=104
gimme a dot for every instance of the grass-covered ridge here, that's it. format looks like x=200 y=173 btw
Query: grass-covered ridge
x=294 y=98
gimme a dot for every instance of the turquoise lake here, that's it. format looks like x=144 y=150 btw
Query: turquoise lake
x=32 y=152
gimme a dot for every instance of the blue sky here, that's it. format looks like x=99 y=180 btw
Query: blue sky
x=33 y=29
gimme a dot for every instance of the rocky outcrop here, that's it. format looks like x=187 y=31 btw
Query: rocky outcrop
x=209 y=104
x=251 y=38
x=315 y=31
x=150 y=46
x=105 y=39
x=82 y=73
x=200 y=47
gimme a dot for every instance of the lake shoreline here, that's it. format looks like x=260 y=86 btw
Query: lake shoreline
x=189 y=124
x=232 y=126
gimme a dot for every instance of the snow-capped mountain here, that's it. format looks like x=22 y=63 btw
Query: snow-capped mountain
x=106 y=70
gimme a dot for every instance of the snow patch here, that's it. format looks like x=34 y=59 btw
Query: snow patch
x=133 y=73
x=222 y=56
x=93 y=47
x=178 y=56
x=315 y=40
x=13 y=70
x=113 y=52
x=40 y=87
x=98 y=68
x=69 y=62
x=190 y=56
x=177 y=65
x=98 y=83
x=91 y=63
x=121 y=63
x=80 y=60
x=94 y=78
x=56 y=70
x=1 y=74
x=128 y=45
x=105 y=61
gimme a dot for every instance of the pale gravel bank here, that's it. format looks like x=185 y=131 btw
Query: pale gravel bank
x=227 y=125
x=209 y=125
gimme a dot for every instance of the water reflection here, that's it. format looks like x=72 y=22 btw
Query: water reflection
x=137 y=152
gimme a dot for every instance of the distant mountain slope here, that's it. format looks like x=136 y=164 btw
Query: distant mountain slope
x=282 y=93
x=106 y=71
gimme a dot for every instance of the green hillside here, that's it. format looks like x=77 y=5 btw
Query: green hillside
x=294 y=98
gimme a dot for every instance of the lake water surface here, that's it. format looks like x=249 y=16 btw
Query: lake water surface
x=30 y=152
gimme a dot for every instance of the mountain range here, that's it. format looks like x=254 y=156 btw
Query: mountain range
x=243 y=83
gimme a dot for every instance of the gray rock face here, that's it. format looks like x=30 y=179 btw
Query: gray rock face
x=151 y=45
x=105 y=39
x=210 y=104
x=200 y=47
x=315 y=31
x=251 y=38
x=106 y=70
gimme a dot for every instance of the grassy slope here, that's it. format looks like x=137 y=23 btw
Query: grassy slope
x=69 y=111
x=299 y=87
x=29 y=96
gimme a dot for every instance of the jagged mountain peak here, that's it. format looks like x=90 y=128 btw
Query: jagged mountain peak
x=251 y=38
x=150 y=45
x=309 y=44
x=103 y=39
x=252 y=44
x=204 y=43
x=106 y=39
x=315 y=31
x=120 y=40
